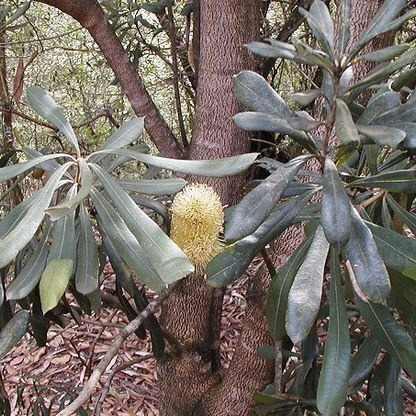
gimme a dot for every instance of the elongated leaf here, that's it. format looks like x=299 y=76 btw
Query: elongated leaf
x=167 y=258
x=390 y=334
x=50 y=165
x=335 y=213
x=369 y=269
x=305 y=294
x=393 y=396
x=153 y=186
x=362 y=362
x=124 y=135
x=410 y=129
x=322 y=25
x=255 y=93
x=386 y=54
x=276 y=49
x=86 y=275
x=46 y=107
x=259 y=203
x=399 y=115
x=64 y=209
x=378 y=105
x=219 y=167
x=407 y=217
x=313 y=56
x=305 y=98
x=24 y=231
x=394 y=181
x=344 y=124
x=53 y=282
x=11 y=334
x=125 y=242
x=9 y=172
x=333 y=380
x=397 y=251
x=277 y=295
x=233 y=262
x=30 y=275
x=385 y=15
x=344 y=25
x=382 y=135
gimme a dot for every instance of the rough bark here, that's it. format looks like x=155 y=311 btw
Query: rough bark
x=192 y=315
x=91 y=16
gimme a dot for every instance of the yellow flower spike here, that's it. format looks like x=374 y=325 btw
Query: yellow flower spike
x=197 y=221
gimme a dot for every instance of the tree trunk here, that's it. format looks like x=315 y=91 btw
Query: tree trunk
x=192 y=315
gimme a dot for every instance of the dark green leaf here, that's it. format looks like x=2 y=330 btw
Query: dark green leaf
x=344 y=124
x=378 y=105
x=335 y=213
x=11 y=334
x=344 y=25
x=29 y=276
x=305 y=294
x=86 y=276
x=407 y=217
x=333 y=380
x=255 y=93
x=391 y=335
x=382 y=135
x=46 y=107
x=410 y=129
x=397 y=251
x=233 y=262
x=393 y=396
x=259 y=203
x=25 y=230
x=227 y=166
x=277 y=295
x=368 y=266
x=386 y=54
x=394 y=181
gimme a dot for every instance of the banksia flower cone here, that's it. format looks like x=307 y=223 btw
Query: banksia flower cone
x=197 y=219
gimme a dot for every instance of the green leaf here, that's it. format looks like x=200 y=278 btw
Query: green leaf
x=305 y=294
x=335 y=213
x=333 y=379
x=259 y=203
x=386 y=54
x=11 y=334
x=64 y=209
x=362 y=362
x=382 y=135
x=169 y=261
x=393 y=338
x=410 y=129
x=378 y=105
x=322 y=25
x=233 y=262
x=274 y=49
x=385 y=14
x=158 y=187
x=126 y=244
x=123 y=136
x=344 y=25
x=407 y=217
x=394 y=181
x=29 y=276
x=344 y=124
x=86 y=275
x=255 y=93
x=227 y=166
x=53 y=282
x=399 y=115
x=368 y=266
x=304 y=98
x=393 y=396
x=397 y=251
x=277 y=295
x=313 y=56
x=25 y=230
x=46 y=107
x=9 y=172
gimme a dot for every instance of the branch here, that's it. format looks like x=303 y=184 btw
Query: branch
x=91 y=16
x=111 y=353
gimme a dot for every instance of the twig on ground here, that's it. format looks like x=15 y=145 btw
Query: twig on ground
x=110 y=354
x=106 y=387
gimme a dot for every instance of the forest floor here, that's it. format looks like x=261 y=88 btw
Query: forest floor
x=38 y=379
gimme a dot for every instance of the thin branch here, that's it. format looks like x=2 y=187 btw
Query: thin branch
x=111 y=353
x=106 y=387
